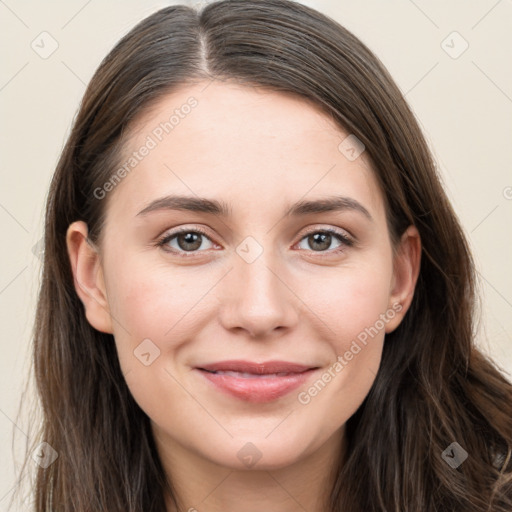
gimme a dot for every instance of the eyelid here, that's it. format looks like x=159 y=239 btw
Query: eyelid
x=319 y=228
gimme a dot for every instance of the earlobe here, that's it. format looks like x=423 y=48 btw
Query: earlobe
x=88 y=276
x=406 y=269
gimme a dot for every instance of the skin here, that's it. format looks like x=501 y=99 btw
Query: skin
x=259 y=152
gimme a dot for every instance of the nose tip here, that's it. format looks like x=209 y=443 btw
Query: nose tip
x=257 y=300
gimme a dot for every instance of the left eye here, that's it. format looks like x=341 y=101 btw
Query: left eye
x=320 y=241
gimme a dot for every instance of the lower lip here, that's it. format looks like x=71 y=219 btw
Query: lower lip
x=257 y=389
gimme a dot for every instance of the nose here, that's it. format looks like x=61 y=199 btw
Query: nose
x=256 y=299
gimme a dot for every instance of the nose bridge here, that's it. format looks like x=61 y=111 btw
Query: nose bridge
x=256 y=297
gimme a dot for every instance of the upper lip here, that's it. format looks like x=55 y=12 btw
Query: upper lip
x=267 y=367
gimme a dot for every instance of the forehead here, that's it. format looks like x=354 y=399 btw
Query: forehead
x=241 y=144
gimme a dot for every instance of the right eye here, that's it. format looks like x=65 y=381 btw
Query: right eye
x=184 y=241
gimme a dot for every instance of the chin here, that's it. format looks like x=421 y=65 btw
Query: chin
x=259 y=453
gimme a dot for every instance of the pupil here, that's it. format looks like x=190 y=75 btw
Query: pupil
x=191 y=241
x=324 y=239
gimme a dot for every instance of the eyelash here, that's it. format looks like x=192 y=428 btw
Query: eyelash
x=344 y=239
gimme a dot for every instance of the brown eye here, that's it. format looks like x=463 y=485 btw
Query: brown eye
x=185 y=241
x=189 y=241
x=321 y=241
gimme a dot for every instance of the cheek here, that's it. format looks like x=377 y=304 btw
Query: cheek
x=158 y=311
x=151 y=327
x=354 y=305
x=363 y=300
x=150 y=300
x=361 y=322
x=349 y=301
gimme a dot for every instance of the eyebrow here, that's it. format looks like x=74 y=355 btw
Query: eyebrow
x=222 y=209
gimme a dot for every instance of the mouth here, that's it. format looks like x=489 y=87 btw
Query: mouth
x=256 y=382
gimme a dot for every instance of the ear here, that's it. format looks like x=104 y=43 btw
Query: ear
x=406 y=268
x=88 y=276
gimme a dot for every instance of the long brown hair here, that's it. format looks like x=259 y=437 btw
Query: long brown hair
x=434 y=387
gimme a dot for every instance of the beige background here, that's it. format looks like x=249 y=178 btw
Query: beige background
x=464 y=105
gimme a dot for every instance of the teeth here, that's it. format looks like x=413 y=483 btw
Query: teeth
x=247 y=375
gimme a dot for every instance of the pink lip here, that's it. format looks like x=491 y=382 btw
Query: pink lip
x=264 y=385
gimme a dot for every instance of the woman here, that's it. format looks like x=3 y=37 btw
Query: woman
x=256 y=295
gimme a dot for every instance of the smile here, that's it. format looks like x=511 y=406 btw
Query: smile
x=256 y=382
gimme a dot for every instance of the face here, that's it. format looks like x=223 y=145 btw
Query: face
x=251 y=327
